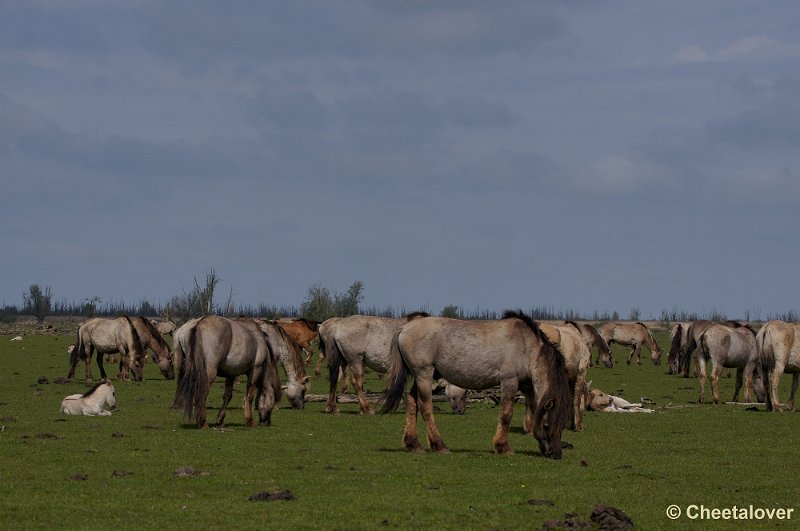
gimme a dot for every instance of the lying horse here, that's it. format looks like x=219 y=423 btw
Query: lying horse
x=355 y=342
x=732 y=347
x=107 y=336
x=634 y=335
x=597 y=400
x=93 y=402
x=214 y=346
x=778 y=345
x=513 y=353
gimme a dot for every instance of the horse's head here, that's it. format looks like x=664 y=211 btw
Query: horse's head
x=111 y=396
x=166 y=367
x=607 y=357
x=759 y=386
x=296 y=392
x=137 y=367
x=656 y=354
x=599 y=400
x=552 y=403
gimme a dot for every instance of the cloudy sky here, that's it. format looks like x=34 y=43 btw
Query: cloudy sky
x=593 y=156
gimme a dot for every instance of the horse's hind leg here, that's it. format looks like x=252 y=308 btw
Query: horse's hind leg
x=702 y=378
x=226 y=397
x=357 y=371
x=425 y=404
x=410 y=438
x=716 y=372
x=790 y=403
x=247 y=404
x=500 y=441
x=635 y=352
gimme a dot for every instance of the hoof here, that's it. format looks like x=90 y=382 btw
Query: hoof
x=412 y=445
x=503 y=449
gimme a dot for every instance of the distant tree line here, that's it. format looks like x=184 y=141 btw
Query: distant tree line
x=319 y=304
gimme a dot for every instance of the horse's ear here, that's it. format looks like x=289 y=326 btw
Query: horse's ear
x=305 y=380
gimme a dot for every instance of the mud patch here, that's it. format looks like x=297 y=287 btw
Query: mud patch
x=272 y=496
x=121 y=473
x=535 y=501
x=79 y=477
x=43 y=380
x=188 y=472
x=610 y=518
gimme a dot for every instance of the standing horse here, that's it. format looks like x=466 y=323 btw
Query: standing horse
x=678 y=339
x=513 y=353
x=634 y=335
x=690 y=342
x=93 y=402
x=215 y=346
x=303 y=332
x=355 y=342
x=732 y=347
x=107 y=336
x=153 y=339
x=593 y=339
x=778 y=346
x=286 y=350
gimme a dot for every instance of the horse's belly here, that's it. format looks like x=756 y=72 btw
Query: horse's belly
x=470 y=376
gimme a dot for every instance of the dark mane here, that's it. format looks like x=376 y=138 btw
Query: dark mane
x=599 y=342
x=415 y=315
x=295 y=351
x=558 y=390
x=676 y=340
x=153 y=332
x=573 y=323
x=733 y=324
x=97 y=386
x=137 y=341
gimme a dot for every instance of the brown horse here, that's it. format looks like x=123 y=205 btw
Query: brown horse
x=732 y=347
x=214 y=346
x=513 y=353
x=287 y=351
x=778 y=346
x=355 y=342
x=108 y=336
x=303 y=332
x=634 y=335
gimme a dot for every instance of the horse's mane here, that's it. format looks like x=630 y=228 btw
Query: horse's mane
x=294 y=351
x=598 y=339
x=676 y=339
x=313 y=325
x=573 y=323
x=733 y=324
x=137 y=341
x=97 y=386
x=153 y=332
x=556 y=370
x=415 y=315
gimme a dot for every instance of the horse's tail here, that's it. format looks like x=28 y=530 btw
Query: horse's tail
x=766 y=358
x=76 y=353
x=686 y=353
x=192 y=387
x=398 y=376
x=330 y=350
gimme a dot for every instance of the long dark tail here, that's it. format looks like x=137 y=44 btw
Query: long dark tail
x=330 y=350
x=192 y=388
x=398 y=376
x=686 y=354
x=77 y=353
x=766 y=358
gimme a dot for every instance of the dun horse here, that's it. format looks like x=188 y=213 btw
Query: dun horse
x=513 y=353
x=303 y=332
x=634 y=335
x=215 y=346
x=778 y=346
x=108 y=336
x=355 y=342
x=732 y=347
x=287 y=352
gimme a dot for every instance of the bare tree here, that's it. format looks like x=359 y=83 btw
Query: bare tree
x=38 y=302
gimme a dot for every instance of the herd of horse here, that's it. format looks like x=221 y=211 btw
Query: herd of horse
x=545 y=362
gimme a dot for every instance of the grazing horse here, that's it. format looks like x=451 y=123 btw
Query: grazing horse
x=778 y=346
x=286 y=350
x=164 y=327
x=633 y=335
x=107 y=336
x=303 y=331
x=153 y=339
x=678 y=339
x=690 y=342
x=215 y=346
x=513 y=353
x=91 y=403
x=593 y=339
x=355 y=342
x=577 y=356
x=732 y=347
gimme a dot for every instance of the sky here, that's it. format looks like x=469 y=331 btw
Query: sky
x=577 y=155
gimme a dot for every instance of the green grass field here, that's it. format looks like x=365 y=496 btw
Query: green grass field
x=350 y=472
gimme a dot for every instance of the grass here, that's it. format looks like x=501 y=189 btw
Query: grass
x=350 y=472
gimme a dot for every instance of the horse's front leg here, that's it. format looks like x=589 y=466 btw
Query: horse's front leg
x=773 y=381
x=508 y=388
x=410 y=438
x=739 y=372
x=226 y=397
x=577 y=398
x=87 y=363
x=247 y=403
x=634 y=352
